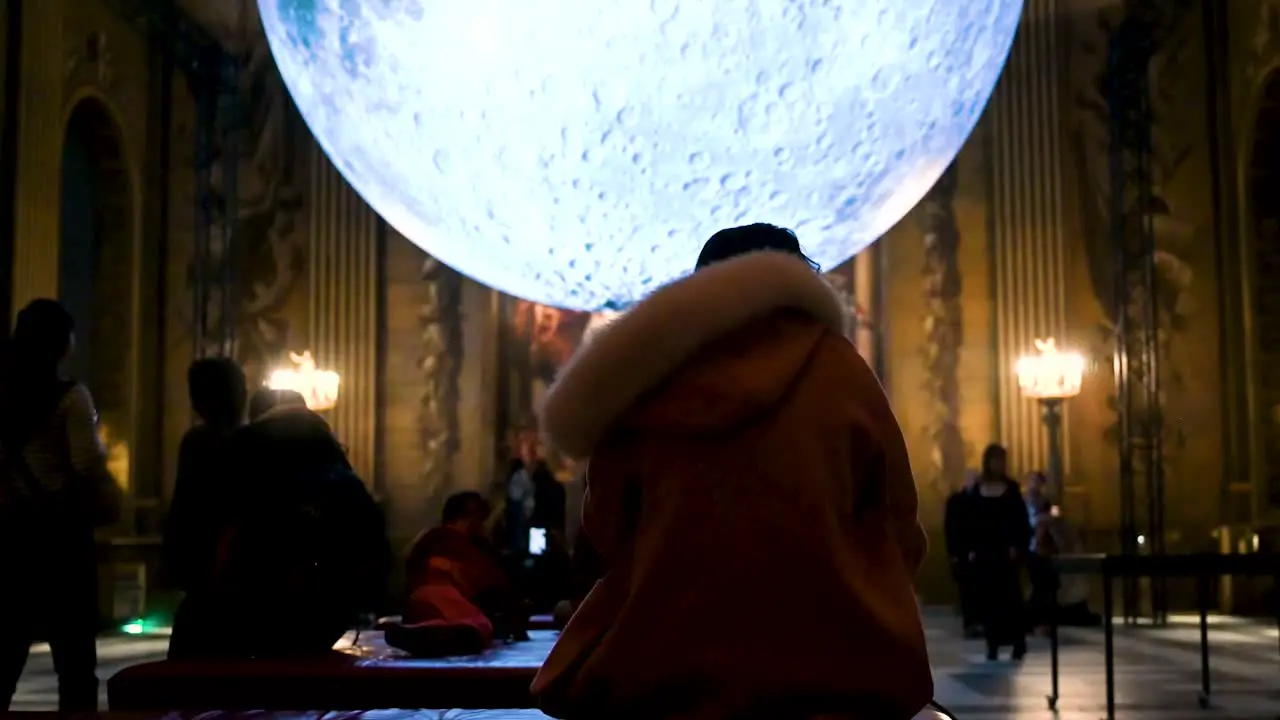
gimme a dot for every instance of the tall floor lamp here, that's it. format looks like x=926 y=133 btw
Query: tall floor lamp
x=318 y=387
x=1051 y=376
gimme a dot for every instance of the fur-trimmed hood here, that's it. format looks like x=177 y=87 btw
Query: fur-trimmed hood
x=724 y=343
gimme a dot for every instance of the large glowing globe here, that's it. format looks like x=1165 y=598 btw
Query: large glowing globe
x=579 y=152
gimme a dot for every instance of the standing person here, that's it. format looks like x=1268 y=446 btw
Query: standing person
x=202 y=496
x=734 y=430
x=958 y=531
x=518 y=511
x=306 y=546
x=1001 y=536
x=1041 y=550
x=54 y=488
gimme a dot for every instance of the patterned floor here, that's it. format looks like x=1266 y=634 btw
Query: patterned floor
x=1158 y=674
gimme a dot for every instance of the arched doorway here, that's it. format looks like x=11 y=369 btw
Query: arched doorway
x=96 y=268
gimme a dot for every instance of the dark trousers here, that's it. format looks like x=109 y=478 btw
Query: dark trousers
x=963 y=574
x=1002 y=611
x=51 y=593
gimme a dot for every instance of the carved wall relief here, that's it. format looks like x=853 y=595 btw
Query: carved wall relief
x=1263 y=46
x=441 y=363
x=944 y=331
x=91 y=63
x=1172 y=143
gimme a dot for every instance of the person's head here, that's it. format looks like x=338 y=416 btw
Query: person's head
x=994 y=461
x=260 y=402
x=732 y=242
x=466 y=511
x=293 y=439
x=264 y=400
x=1037 y=482
x=43 y=336
x=217 y=390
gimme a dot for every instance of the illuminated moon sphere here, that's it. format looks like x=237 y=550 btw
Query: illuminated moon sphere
x=579 y=152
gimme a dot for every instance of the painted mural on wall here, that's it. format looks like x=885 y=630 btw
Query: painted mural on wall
x=541 y=339
x=252 y=201
x=1171 y=145
x=270 y=201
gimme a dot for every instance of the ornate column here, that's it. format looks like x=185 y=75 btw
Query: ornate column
x=40 y=128
x=343 y=269
x=1027 y=248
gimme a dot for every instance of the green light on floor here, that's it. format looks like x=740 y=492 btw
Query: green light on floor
x=133 y=628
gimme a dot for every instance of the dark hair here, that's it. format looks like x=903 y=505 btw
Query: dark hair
x=264 y=400
x=41 y=338
x=464 y=506
x=732 y=242
x=989 y=455
x=260 y=402
x=292 y=442
x=217 y=390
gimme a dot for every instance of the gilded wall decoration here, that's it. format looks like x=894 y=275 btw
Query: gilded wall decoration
x=441 y=364
x=1172 y=142
x=944 y=330
x=842 y=279
x=1263 y=48
x=91 y=63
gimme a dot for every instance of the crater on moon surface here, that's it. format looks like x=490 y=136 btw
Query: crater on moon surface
x=578 y=154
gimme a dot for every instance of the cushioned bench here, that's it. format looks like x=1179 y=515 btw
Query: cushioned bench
x=460 y=714
x=457 y=714
x=369 y=675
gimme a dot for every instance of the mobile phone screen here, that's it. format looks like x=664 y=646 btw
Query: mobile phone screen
x=537 y=541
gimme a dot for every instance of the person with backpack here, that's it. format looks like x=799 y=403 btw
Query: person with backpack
x=54 y=489
x=306 y=547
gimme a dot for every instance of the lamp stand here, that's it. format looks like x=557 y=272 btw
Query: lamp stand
x=1051 y=415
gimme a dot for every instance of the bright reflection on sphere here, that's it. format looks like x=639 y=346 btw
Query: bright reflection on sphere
x=579 y=153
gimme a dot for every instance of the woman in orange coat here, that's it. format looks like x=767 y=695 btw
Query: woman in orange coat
x=750 y=493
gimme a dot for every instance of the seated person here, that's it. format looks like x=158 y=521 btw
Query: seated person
x=750 y=492
x=459 y=598
x=306 y=547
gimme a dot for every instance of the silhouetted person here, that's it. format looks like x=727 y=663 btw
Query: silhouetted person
x=750 y=494
x=202 y=491
x=519 y=507
x=958 y=531
x=1001 y=535
x=307 y=546
x=1040 y=551
x=54 y=488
